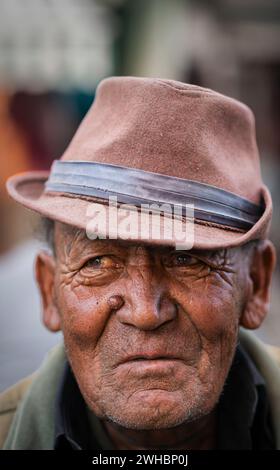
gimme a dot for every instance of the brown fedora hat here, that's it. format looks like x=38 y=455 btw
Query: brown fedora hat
x=149 y=140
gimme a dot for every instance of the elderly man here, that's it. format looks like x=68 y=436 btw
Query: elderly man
x=153 y=355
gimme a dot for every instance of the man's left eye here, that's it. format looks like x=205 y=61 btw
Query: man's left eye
x=185 y=260
x=181 y=260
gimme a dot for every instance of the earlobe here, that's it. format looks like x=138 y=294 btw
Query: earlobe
x=260 y=275
x=45 y=275
x=254 y=314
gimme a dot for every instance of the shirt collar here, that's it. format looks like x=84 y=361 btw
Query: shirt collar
x=71 y=424
x=243 y=411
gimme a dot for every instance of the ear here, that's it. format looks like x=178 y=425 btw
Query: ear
x=262 y=265
x=45 y=276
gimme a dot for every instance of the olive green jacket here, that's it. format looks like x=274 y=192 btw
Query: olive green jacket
x=27 y=408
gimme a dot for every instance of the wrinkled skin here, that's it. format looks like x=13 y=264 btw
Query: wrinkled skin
x=112 y=299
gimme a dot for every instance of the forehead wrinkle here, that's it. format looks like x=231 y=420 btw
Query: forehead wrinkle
x=71 y=239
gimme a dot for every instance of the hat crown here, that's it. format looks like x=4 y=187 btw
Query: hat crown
x=171 y=128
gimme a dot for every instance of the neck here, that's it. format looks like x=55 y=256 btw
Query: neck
x=199 y=434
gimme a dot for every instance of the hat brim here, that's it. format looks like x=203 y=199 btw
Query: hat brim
x=28 y=189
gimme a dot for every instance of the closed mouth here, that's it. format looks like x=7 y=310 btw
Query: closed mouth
x=149 y=358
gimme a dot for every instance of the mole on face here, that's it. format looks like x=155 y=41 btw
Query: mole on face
x=115 y=302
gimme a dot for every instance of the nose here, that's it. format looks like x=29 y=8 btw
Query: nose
x=147 y=305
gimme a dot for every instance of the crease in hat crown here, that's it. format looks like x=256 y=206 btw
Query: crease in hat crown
x=168 y=128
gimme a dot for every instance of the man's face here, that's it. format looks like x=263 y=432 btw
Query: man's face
x=150 y=332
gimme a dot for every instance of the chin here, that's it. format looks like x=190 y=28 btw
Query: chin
x=150 y=421
x=155 y=409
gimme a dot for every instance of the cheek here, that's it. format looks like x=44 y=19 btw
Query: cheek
x=84 y=314
x=212 y=305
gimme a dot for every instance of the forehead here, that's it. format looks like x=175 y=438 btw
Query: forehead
x=70 y=239
x=73 y=238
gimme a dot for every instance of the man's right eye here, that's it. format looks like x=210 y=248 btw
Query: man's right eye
x=93 y=262
x=101 y=262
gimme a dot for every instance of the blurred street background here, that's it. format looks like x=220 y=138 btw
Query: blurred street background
x=52 y=56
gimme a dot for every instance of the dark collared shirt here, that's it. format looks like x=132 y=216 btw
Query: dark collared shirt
x=244 y=420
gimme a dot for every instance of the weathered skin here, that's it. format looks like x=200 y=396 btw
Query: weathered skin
x=113 y=299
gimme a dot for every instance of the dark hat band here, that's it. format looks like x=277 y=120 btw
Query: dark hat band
x=135 y=186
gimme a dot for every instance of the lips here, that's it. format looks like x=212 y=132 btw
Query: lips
x=149 y=357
